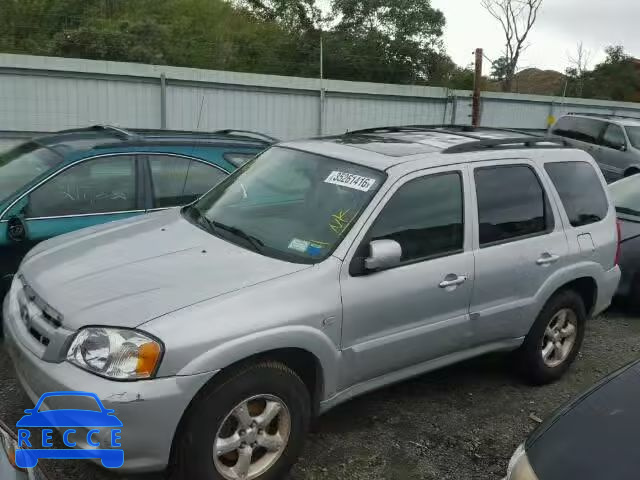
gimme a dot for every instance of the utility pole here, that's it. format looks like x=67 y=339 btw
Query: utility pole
x=477 y=82
x=322 y=91
x=321 y=58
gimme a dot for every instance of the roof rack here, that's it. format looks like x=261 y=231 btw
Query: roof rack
x=247 y=133
x=462 y=130
x=528 y=142
x=602 y=115
x=121 y=132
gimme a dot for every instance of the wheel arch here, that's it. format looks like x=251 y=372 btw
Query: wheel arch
x=585 y=286
x=302 y=361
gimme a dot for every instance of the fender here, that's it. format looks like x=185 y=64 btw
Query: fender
x=563 y=276
x=305 y=338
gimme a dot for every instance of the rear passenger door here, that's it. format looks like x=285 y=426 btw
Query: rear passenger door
x=519 y=244
x=581 y=192
x=176 y=180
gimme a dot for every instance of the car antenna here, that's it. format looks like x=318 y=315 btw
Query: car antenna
x=193 y=149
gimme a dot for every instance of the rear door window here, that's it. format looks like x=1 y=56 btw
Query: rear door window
x=580 y=190
x=511 y=204
x=178 y=180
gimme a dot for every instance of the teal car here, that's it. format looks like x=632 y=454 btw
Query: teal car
x=80 y=178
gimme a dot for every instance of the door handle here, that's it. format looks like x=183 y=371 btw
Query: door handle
x=547 y=259
x=453 y=281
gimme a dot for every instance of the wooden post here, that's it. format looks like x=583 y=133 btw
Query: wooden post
x=477 y=82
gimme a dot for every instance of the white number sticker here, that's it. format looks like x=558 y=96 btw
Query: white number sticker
x=350 y=180
x=299 y=245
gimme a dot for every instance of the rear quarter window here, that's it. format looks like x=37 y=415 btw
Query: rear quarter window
x=564 y=127
x=580 y=190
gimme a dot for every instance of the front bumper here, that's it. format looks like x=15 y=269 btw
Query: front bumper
x=150 y=410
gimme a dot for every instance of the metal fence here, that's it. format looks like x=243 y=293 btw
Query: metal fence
x=44 y=94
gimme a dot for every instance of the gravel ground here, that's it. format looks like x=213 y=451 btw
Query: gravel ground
x=462 y=422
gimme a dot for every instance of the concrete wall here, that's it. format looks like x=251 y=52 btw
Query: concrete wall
x=44 y=94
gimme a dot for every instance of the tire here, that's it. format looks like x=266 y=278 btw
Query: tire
x=213 y=415
x=529 y=357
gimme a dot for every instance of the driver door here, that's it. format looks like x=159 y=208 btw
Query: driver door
x=92 y=192
x=417 y=311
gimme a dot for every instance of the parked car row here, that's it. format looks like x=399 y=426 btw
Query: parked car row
x=319 y=271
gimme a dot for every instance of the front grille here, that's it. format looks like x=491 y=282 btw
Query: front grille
x=39 y=337
x=34 y=311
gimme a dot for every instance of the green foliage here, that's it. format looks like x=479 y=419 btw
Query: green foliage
x=617 y=78
x=500 y=69
x=367 y=40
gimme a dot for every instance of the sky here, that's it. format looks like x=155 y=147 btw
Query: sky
x=561 y=25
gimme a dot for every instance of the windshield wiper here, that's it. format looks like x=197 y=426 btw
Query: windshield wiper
x=255 y=242
x=200 y=219
x=628 y=211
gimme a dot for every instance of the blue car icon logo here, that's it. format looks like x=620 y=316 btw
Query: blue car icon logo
x=103 y=424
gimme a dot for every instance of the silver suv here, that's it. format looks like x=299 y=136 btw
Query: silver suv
x=614 y=141
x=319 y=271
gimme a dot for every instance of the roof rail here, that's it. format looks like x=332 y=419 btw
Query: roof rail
x=462 y=130
x=603 y=115
x=515 y=142
x=247 y=133
x=117 y=130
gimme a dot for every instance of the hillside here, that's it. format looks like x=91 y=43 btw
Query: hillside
x=534 y=81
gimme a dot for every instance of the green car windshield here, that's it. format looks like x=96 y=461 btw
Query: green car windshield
x=288 y=204
x=21 y=165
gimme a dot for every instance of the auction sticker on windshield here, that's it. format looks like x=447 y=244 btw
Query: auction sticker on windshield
x=350 y=180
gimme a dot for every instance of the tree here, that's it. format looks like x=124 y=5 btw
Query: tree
x=499 y=69
x=579 y=65
x=516 y=18
x=366 y=40
x=617 y=78
x=397 y=41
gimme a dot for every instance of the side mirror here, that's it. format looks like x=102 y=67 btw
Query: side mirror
x=383 y=254
x=16 y=229
x=622 y=148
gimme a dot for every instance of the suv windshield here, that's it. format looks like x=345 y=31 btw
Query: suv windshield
x=22 y=164
x=634 y=135
x=626 y=195
x=288 y=204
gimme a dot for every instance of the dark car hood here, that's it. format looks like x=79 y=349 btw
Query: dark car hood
x=127 y=273
x=595 y=437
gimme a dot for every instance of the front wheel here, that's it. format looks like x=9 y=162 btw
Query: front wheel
x=249 y=427
x=554 y=340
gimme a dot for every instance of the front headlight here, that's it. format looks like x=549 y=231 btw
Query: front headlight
x=115 y=353
x=519 y=466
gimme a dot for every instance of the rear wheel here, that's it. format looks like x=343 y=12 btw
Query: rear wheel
x=554 y=340
x=249 y=427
